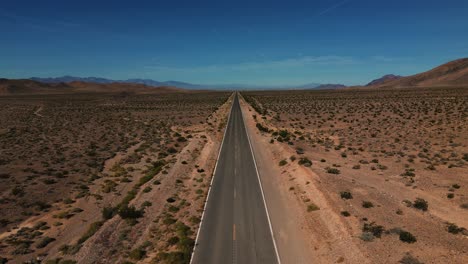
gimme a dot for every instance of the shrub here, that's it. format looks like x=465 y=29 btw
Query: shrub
x=173 y=240
x=346 y=195
x=408 y=173
x=454 y=229
x=420 y=204
x=345 y=213
x=108 y=212
x=367 y=204
x=262 y=128
x=283 y=133
x=408 y=259
x=450 y=195
x=137 y=254
x=456 y=186
x=332 y=170
x=305 y=162
x=407 y=237
x=130 y=212
x=374 y=229
x=312 y=207
x=44 y=242
x=283 y=162
x=367 y=236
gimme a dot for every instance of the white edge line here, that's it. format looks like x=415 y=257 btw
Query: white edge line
x=211 y=183
x=261 y=189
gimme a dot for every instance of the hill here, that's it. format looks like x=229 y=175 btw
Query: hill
x=384 y=79
x=454 y=73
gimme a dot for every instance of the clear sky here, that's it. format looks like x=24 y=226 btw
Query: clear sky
x=222 y=42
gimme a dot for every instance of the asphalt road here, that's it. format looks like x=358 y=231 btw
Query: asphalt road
x=235 y=227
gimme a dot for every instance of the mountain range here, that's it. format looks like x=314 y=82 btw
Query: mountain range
x=454 y=73
x=184 y=85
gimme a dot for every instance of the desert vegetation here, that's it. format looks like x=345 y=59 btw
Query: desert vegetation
x=117 y=175
x=391 y=163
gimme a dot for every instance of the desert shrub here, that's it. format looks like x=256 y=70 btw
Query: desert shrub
x=129 y=212
x=408 y=173
x=312 y=207
x=346 y=195
x=170 y=200
x=450 y=195
x=44 y=242
x=17 y=191
x=305 y=162
x=456 y=186
x=283 y=133
x=464 y=206
x=356 y=167
x=345 y=213
x=374 y=229
x=283 y=162
x=454 y=229
x=173 y=209
x=137 y=254
x=173 y=240
x=172 y=150
x=367 y=236
x=367 y=204
x=108 y=212
x=146 y=204
x=262 y=128
x=465 y=156
x=420 y=204
x=332 y=170
x=407 y=237
x=408 y=259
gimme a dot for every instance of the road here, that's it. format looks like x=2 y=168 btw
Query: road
x=235 y=226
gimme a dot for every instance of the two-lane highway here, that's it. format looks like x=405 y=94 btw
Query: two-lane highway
x=235 y=227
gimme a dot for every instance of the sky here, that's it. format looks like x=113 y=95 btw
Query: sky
x=231 y=42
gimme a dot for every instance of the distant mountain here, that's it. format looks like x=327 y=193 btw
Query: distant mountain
x=184 y=85
x=384 y=79
x=148 y=82
x=329 y=86
x=11 y=87
x=67 y=79
x=453 y=73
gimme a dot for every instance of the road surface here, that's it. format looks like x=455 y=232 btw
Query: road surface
x=235 y=227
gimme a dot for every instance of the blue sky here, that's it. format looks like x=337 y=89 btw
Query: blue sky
x=224 y=42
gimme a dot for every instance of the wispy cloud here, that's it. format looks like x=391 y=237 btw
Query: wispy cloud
x=335 y=6
x=304 y=61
